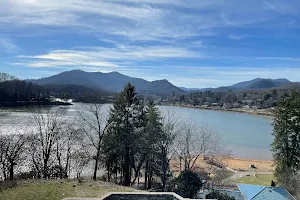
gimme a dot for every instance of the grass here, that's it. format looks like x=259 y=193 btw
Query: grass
x=259 y=179
x=57 y=190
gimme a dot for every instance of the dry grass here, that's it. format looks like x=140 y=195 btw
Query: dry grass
x=57 y=190
x=243 y=164
x=259 y=179
x=237 y=164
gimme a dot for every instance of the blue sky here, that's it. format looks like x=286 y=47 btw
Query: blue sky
x=192 y=43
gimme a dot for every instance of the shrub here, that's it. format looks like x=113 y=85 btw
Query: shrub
x=188 y=184
x=219 y=196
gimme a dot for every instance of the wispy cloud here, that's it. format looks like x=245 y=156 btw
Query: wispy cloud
x=273 y=7
x=8 y=45
x=237 y=36
x=135 y=19
x=104 y=57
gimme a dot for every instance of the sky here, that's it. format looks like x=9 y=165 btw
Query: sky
x=191 y=43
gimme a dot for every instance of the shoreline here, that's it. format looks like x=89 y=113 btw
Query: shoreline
x=32 y=103
x=234 y=164
x=243 y=164
x=260 y=112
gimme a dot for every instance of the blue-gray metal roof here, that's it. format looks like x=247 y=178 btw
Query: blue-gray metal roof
x=256 y=192
x=274 y=193
x=250 y=191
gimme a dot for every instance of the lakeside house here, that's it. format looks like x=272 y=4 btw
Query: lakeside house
x=215 y=104
x=227 y=106
x=258 y=192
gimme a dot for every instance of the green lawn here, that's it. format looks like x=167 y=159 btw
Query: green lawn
x=55 y=190
x=259 y=179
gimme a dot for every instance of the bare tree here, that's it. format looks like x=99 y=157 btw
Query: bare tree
x=67 y=142
x=93 y=123
x=170 y=122
x=48 y=127
x=222 y=179
x=80 y=159
x=194 y=141
x=11 y=150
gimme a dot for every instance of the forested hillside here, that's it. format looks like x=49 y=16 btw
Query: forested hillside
x=110 y=82
x=22 y=91
x=254 y=98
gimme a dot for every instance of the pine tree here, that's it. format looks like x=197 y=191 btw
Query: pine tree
x=136 y=141
x=153 y=134
x=121 y=145
x=158 y=142
x=286 y=144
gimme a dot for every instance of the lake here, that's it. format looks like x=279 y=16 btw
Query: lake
x=248 y=136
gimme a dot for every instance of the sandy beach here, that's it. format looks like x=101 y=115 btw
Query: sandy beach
x=263 y=112
x=235 y=164
x=241 y=164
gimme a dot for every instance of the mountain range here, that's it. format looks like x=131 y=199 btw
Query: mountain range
x=255 y=84
x=113 y=82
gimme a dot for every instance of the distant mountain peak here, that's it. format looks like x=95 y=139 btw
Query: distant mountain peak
x=257 y=83
x=162 y=81
x=114 y=72
x=112 y=81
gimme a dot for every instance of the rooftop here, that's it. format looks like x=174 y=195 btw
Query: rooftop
x=257 y=192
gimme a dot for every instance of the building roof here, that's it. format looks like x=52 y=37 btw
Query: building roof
x=250 y=191
x=257 y=192
x=274 y=193
x=143 y=196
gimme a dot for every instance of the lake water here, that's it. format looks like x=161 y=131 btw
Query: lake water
x=248 y=136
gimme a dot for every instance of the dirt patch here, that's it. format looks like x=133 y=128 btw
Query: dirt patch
x=238 y=164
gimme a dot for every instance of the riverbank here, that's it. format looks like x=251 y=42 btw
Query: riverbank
x=242 y=164
x=262 y=112
x=33 y=103
x=234 y=164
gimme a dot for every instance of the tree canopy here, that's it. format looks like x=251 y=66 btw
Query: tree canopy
x=286 y=144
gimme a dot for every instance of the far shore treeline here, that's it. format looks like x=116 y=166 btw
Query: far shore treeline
x=15 y=92
x=22 y=93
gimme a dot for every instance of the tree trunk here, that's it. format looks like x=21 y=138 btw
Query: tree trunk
x=180 y=164
x=45 y=169
x=67 y=168
x=127 y=168
x=96 y=164
x=146 y=176
x=116 y=174
x=139 y=179
x=164 y=173
x=150 y=179
x=150 y=174
x=11 y=171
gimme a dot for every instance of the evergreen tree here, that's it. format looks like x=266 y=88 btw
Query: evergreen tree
x=286 y=144
x=153 y=134
x=136 y=141
x=188 y=184
x=121 y=145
